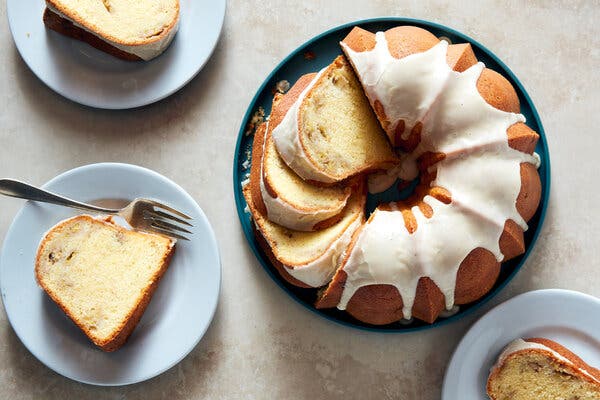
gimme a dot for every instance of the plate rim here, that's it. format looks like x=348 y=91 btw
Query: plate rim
x=138 y=103
x=546 y=183
x=498 y=309
x=210 y=236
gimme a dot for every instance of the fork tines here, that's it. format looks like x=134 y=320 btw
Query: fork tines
x=169 y=209
x=166 y=223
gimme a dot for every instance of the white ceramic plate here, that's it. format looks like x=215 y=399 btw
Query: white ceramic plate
x=177 y=317
x=568 y=317
x=93 y=78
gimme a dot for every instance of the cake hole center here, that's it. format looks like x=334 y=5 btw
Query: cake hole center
x=400 y=190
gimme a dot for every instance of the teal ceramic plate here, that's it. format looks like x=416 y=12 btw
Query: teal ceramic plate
x=316 y=54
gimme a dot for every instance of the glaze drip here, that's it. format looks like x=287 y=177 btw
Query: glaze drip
x=407 y=87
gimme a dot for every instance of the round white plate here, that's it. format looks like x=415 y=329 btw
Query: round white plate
x=93 y=78
x=176 y=318
x=564 y=316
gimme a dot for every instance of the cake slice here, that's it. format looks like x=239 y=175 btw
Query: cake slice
x=132 y=30
x=328 y=132
x=101 y=275
x=308 y=259
x=541 y=369
x=284 y=197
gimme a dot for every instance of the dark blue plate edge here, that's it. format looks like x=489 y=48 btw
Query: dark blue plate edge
x=540 y=214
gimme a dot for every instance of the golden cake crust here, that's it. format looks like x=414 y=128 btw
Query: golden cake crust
x=255 y=169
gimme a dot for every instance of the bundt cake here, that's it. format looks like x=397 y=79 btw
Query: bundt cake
x=330 y=133
x=101 y=275
x=478 y=181
x=541 y=369
x=278 y=192
x=457 y=130
x=132 y=30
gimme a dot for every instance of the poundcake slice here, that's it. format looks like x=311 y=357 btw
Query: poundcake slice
x=101 y=275
x=308 y=259
x=128 y=29
x=284 y=197
x=330 y=132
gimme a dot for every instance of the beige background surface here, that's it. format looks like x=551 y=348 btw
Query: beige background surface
x=261 y=343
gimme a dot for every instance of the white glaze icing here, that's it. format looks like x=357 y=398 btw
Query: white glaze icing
x=520 y=345
x=285 y=214
x=320 y=271
x=146 y=51
x=406 y=87
x=480 y=170
x=287 y=141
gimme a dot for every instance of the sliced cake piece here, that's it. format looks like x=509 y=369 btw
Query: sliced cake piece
x=308 y=259
x=128 y=29
x=329 y=132
x=284 y=197
x=541 y=369
x=101 y=275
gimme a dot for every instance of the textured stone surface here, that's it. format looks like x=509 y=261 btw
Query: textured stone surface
x=261 y=343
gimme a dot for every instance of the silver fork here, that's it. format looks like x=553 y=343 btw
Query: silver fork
x=142 y=214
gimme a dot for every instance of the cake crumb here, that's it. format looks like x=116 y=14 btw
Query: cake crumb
x=281 y=87
x=257 y=118
x=309 y=55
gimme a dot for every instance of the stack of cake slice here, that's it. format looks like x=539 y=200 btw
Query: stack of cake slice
x=306 y=192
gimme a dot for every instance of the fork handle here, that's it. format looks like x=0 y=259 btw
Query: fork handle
x=12 y=188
